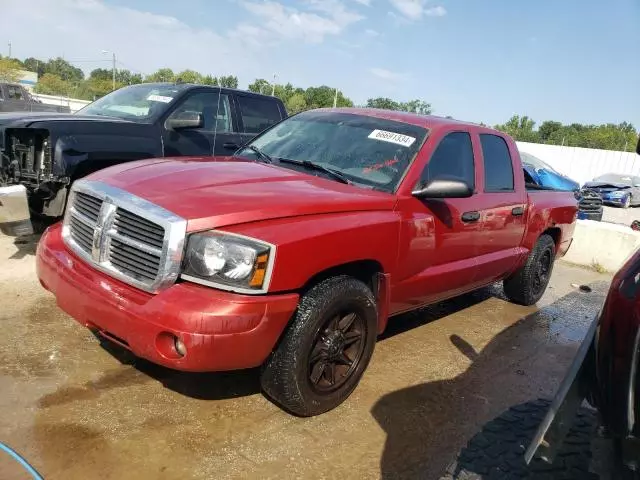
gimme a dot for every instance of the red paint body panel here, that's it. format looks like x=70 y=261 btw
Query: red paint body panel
x=221 y=330
x=424 y=250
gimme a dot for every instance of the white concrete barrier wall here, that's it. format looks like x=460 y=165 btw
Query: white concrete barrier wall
x=74 y=104
x=584 y=164
x=599 y=243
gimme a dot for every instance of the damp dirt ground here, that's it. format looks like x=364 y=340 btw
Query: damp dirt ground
x=78 y=410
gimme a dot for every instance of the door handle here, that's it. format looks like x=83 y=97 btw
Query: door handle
x=470 y=216
x=517 y=211
x=231 y=145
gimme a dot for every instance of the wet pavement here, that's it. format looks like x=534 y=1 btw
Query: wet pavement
x=79 y=410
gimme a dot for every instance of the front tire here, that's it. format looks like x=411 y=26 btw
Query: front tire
x=326 y=349
x=527 y=285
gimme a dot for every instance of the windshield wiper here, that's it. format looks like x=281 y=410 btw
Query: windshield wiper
x=316 y=166
x=265 y=157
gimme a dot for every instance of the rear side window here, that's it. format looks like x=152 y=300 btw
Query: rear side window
x=258 y=113
x=453 y=157
x=498 y=168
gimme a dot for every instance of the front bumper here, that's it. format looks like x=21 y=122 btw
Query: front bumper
x=14 y=211
x=220 y=330
x=590 y=215
x=616 y=201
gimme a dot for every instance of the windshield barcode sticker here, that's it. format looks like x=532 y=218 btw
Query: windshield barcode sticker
x=392 y=137
x=159 y=98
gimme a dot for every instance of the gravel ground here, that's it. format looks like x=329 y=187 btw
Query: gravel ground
x=623 y=216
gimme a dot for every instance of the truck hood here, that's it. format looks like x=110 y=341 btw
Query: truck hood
x=212 y=192
x=24 y=119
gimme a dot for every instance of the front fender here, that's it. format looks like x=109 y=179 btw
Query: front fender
x=311 y=244
x=101 y=150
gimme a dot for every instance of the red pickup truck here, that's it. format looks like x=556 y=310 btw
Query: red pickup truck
x=293 y=253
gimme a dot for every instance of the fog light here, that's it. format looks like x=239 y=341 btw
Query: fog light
x=180 y=347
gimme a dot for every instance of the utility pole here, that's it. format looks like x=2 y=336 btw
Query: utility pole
x=335 y=98
x=9 y=49
x=273 y=86
x=113 y=71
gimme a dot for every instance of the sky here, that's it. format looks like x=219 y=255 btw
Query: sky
x=482 y=61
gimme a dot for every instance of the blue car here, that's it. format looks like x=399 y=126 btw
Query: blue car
x=617 y=189
x=543 y=175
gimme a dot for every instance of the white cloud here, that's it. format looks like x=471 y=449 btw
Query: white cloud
x=291 y=23
x=388 y=75
x=371 y=33
x=416 y=9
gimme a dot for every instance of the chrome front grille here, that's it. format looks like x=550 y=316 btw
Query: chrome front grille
x=88 y=206
x=125 y=236
x=137 y=228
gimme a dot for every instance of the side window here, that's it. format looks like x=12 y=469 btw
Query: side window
x=258 y=113
x=216 y=116
x=14 y=92
x=498 y=167
x=453 y=157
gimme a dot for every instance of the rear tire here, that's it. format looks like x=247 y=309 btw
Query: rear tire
x=527 y=285
x=326 y=349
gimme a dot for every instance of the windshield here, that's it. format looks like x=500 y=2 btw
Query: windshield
x=142 y=103
x=613 y=178
x=370 y=152
x=536 y=163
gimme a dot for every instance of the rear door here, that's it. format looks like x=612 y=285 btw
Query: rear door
x=219 y=133
x=256 y=114
x=502 y=207
x=439 y=238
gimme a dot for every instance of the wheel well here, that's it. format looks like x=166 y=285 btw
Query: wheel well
x=363 y=270
x=554 y=233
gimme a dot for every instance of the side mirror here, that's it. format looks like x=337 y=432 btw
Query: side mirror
x=444 y=188
x=185 y=120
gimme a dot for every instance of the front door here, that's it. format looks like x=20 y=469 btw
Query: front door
x=217 y=136
x=439 y=238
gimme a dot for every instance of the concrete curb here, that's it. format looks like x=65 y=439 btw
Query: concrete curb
x=602 y=245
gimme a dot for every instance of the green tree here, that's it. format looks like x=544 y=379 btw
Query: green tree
x=63 y=69
x=209 y=80
x=259 y=85
x=520 y=129
x=189 y=76
x=384 y=103
x=50 y=84
x=416 y=106
x=230 y=81
x=547 y=129
x=162 y=75
x=296 y=103
x=9 y=70
x=34 y=65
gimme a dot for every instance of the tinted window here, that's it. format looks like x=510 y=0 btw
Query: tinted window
x=216 y=116
x=498 y=168
x=15 y=93
x=258 y=113
x=453 y=157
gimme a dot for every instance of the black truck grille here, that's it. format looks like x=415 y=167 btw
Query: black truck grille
x=590 y=201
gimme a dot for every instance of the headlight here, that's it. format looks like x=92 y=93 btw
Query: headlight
x=617 y=193
x=228 y=261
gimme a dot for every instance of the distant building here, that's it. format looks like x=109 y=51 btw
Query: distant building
x=28 y=79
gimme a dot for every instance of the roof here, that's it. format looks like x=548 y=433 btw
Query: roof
x=426 y=121
x=185 y=86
